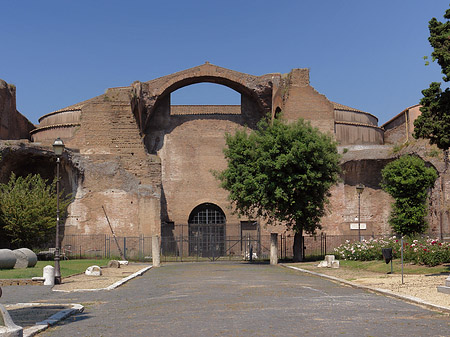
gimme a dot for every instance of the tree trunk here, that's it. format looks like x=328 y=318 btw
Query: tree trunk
x=298 y=246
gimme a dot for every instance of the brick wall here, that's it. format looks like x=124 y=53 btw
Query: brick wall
x=119 y=174
x=302 y=101
x=13 y=125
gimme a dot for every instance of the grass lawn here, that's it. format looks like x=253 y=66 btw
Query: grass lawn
x=382 y=268
x=68 y=267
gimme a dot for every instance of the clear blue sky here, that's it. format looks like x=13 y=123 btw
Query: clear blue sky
x=365 y=54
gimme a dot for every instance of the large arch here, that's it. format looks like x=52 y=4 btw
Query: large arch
x=147 y=96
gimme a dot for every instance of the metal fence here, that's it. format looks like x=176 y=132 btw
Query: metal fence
x=198 y=247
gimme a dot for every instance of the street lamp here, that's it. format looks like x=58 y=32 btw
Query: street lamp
x=58 y=148
x=359 y=190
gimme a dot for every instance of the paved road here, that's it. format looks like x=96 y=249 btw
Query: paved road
x=235 y=299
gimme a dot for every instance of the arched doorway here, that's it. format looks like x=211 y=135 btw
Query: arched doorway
x=207 y=231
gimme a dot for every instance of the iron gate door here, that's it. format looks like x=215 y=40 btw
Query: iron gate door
x=207 y=231
x=207 y=240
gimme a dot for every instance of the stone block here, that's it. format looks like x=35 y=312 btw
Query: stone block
x=447 y=282
x=113 y=264
x=93 y=271
x=335 y=264
x=32 y=257
x=443 y=289
x=323 y=264
x=329 y=259
x=21 y=259
x=7 y=259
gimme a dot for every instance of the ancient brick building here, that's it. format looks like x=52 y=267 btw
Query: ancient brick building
x=149 y=162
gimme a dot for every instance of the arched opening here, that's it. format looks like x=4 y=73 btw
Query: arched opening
x=207 y=231
x=205 y=94
x=199 y=101
x=277 y=113
x=26 y=160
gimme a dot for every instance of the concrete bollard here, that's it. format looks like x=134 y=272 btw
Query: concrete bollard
x=273 y=248
x=156 y=251
x=49 y=276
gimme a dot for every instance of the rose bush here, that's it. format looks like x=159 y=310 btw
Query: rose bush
x=425 y=251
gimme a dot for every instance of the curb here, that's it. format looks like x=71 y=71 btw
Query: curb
x=52 y=320
x=112 y=286
x=410 y=299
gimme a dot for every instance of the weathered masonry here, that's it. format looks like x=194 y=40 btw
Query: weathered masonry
x=149 y=162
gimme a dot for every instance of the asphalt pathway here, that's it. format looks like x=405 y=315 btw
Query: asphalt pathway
x=234 y=299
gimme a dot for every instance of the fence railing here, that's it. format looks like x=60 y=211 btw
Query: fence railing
x=197 y=248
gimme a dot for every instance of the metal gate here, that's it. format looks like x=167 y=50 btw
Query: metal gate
x=207 y=231
x=207 y=240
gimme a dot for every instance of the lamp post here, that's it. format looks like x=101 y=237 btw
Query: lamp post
x=359 y=190
x=58 y=148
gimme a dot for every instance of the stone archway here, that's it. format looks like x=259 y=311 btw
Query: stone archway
x=147 y=96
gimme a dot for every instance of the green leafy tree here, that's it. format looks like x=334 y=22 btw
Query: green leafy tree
x=28 y=210
x=434 y=122
x=407 y=180
x=281 y=172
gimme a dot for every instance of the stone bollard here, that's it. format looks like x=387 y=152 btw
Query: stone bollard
x=273 y=248
x=156 y=251
x=113 y=264
x=49 y=276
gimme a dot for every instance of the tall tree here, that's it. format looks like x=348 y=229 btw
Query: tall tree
x=281 y=172
x=407 y=180
x=28 y=210
x=434 y=122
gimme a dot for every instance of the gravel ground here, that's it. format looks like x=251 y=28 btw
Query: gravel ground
x=420 y=286
x=109 y=276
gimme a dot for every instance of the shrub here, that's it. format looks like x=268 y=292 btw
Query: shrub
x=425 y=251
x=28 y=210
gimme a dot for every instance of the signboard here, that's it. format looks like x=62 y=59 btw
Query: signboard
x=355 y=225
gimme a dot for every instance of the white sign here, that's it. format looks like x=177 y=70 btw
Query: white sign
x=355 y=225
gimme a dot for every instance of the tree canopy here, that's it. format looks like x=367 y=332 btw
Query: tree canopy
x=281 y=172
x=434 y=122
x=407 y=180
x=28 y=210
